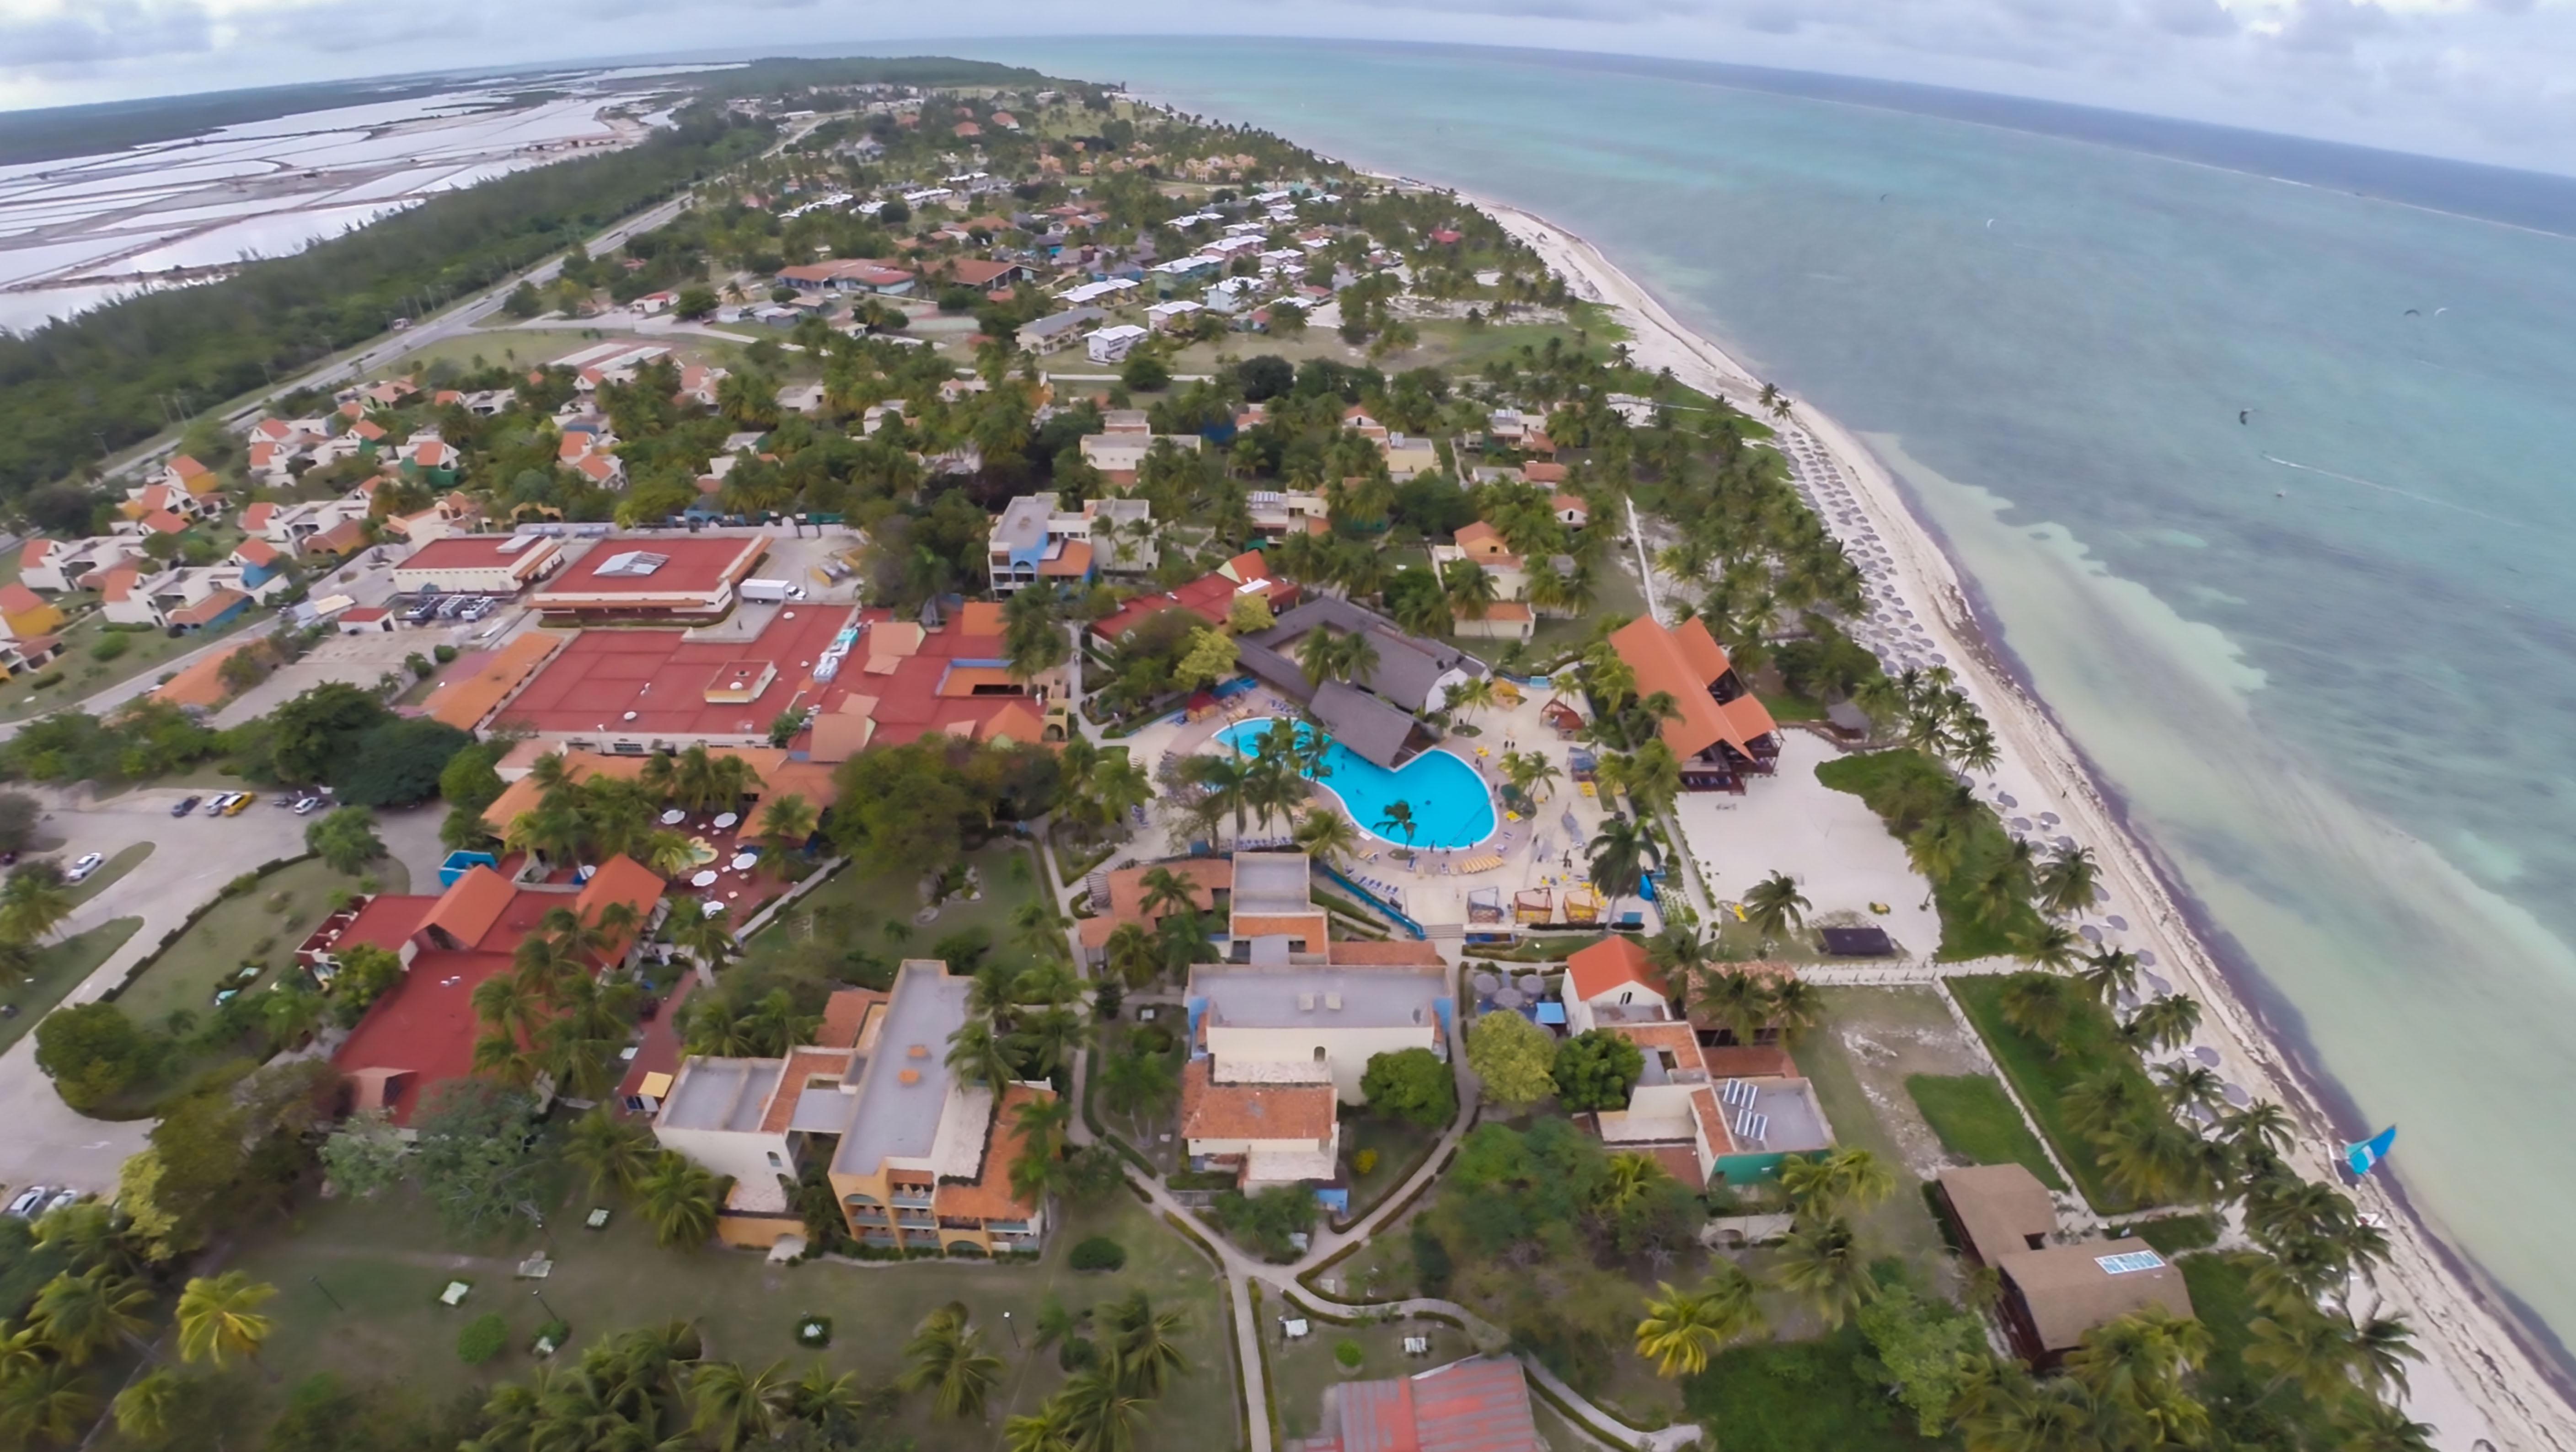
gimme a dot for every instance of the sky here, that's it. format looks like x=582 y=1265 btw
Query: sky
x=2483 y=80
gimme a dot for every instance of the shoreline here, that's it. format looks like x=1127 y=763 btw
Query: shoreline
x=2482 y=1378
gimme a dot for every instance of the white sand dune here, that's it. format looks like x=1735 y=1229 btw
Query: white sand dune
x=2479 y=1386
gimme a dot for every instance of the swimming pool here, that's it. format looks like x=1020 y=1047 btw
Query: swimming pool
x=1451 y=807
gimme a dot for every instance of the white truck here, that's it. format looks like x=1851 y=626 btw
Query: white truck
x=766 y=592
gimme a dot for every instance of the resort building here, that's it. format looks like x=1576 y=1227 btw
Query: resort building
x=1376 y=716
x=855 y=678
x=485 y=564
x=2003 y=1217
x=776 y=773
x=1706 y=1113
x=1314 y=1024
x=1478 y=1405
x=1722 y=734
x=689 y=577
x=1210 y=597
x=1258 y=907
x=1118 y=454
x=422 y=1031
x=918 y=1158
x=1034 y=541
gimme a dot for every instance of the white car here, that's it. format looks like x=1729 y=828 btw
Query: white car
x=222 y=803
x=306 y=806
x=83 y=865
x=29 y=1200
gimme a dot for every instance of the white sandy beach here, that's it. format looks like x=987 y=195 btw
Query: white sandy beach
x=2478 y=1386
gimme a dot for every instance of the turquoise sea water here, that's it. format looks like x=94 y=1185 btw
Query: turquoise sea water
x=1449 y=802
x=2327 y=656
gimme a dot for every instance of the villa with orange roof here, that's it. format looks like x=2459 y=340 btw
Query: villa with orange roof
x=1721 y=733
x=26 y=615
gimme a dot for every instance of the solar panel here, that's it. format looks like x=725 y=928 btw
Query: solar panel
x=2128 y=1261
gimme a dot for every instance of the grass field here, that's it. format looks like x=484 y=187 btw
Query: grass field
x=57 y=970
x=873 y=912
x=1300 y=1370
x=530 y=346
x=148 y=653
x=1976 y=1118
x=125 y=860
x=1798 y=1396
x=1877 y=778
x=1400 y=1149
x=1899 y=1224
x=2042 y=1080
x=386 y=1261
x=255 y=925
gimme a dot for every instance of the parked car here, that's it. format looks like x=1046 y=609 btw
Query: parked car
x=795 y=592
x=84 y=865
x=306 y=806
x=221 y=803
x=28 y=1199
x=184 y=806
x=61 y=1199
x=241 y=803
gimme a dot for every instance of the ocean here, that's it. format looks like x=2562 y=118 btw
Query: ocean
x=2325 y=655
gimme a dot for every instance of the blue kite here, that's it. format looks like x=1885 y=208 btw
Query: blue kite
x=2369 y=1152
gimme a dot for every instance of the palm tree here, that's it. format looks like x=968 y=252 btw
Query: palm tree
x=82 y=1315
x=2109 y=973
x=1133 y=954
x=1476 y=693
x=1104 y=1413
x=977 y=1055
x=2190 y=1085
x=706 y=938
x=949 y=1360
x=219 y=1316
x=2305 y=1347
x=735 y=1406
x=1825 y=1185
x=2381 y=1347
x=2167 y=1022
x=1682 y=1328
x=1327 y=836
x=2052 y=946
x=53 y=1403
x=1679 y=953
x=609 y=1149
x=2261 y=1123
x=1136 y=1083
x=1165 y=892
x=33 y=902
x=2041 y=1005
x=1938 y=849
x=143 y=1410
x=1652 y=777
x=1774 y=907
x=1226 y=778
x=1049 y=1429
x=2363 y=1425
x=1822 y=1261
x=787 y=822
x=1793 y=1006
x=1143 y=1345
x=1318 y=657
x=682 y=1201
x=1619 y=856
x=1039 y=1168
x=1399 y=818
x=2067 y=884
x=1531 y=774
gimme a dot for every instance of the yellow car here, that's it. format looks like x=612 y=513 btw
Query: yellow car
x=241 y=806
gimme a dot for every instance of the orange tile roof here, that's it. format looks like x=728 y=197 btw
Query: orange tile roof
x=1072 y=562
x=1614 y=961
x=1394 y=953
x=1014 y=723
x=202 y=682
x=801 y=1065
x=463 y=704
x=1203 y=875
x=162 y=521
x=989 y=1197
x=1684 y=663
x=620 y=879
x=256 y=551
x=1209 y=1110
x=17 y=599
x=964 y=680
x=1309 y=925
x=980 y=617
x=466 y=911
x=845 y=1014
x=1676 y=1039
x=1712 y=1121
x=215 y=603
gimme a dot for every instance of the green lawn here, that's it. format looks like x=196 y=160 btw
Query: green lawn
x=531 y=346
x=147 y=653
x=2174 y=1234
x=1301 y=1370
x=1900 y=1224
x=386 y=1261
x=874 y=912
x=1400 y=1147
x=1882 y=779
x=2042 y=1080
x=1799 y=1396
x=124 y=861
x=1976 y=1118
x=57 y=970
x=264 y=924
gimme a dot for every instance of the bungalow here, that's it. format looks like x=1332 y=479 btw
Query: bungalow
x=1120 y=454
x=1721 y=732
x=26 y=615
x=855 y=274
x=1173 y=316
x=1110 y=290
x=1376 y=714
x=982 y=274
x=1057 y=330
x=58 y=565
x=146 y=499
x=187 y=476
x=2003 y=1218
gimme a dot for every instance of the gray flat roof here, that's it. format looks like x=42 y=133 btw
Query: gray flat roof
x=1023 y=524
x=1272 y=884
x=1271 y=998
x=894 y=1119
x=727 y=1094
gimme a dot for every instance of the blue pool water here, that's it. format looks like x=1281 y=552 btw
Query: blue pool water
x=1451 y=807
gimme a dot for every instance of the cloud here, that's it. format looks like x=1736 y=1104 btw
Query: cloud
x=103 y=31
x=2189 y=17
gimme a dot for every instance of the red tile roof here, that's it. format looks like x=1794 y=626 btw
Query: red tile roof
x=468 y=910
x=1607 y=965
x=422 y=1031
x=1684 y=663
x=1210 y=1110
x=1211 y=596
x=1478 y=1405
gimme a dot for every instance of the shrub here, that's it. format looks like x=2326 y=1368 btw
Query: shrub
x=1099 y=1253
x=49 y=678
x=1348 y=1353
x=1364 y=1162
x=445 y=653
x=109 y=647
x=483 y=1338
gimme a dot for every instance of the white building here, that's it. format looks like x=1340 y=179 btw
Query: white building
x=1112 y=344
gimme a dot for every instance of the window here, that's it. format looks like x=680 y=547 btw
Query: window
x=1319 y=1053
x=775 y=1162
x=2129 y=1261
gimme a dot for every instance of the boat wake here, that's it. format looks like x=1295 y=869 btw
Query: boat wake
x=2402 y=493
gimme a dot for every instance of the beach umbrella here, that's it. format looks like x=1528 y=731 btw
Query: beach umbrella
x=2020 y=824
x=2090 y=933
x=2048 y=819
x=2155 y=984
x=2206 y=1055
x=1487 y=982
x=2118 y=923
x=1531 y=984
x=2005 y=799
x=2237 y=1096
x=1509 y=998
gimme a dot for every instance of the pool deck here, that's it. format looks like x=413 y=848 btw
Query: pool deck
x=1430 y=888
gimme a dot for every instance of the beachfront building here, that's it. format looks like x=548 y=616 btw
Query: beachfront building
x=918 y=1158
x=1377 y=716
x=1257 y=907
x=1721 y=734
x=1033 y=541
x=2002 y=1217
